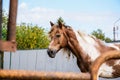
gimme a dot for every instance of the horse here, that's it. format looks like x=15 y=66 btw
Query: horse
x=86 y=48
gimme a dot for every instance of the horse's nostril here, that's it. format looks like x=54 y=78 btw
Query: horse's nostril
x=51 y=53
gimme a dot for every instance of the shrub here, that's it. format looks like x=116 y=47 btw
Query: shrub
x=31 y=37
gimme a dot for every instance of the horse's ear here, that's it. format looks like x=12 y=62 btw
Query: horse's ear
x=51 y=23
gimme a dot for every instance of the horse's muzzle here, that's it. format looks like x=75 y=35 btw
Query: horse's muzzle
x=51 y=53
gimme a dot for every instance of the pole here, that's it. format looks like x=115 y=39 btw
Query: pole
x=12 y=21
x=114 y=29
x=114 y=34
x=0 y=19
x=1 y=53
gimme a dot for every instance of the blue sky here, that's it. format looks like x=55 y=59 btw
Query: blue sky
x=84 y=15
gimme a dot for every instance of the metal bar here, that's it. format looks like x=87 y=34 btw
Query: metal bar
x=12 y=20
x=32 y=75
x=98 y=62
x=1 y=59
x=0 y=19
x=1 y=53
x=114 y=37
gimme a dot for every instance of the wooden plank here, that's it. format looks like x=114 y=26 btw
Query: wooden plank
x=14 y=61
x=7 y=46
x=31 y=59
x=6 y=60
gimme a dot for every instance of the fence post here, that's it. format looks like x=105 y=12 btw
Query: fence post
x=1 y=59
x=1 y=53
x=0 y=19
x=11 y=31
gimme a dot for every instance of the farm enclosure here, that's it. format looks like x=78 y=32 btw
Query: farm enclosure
x=38 y=60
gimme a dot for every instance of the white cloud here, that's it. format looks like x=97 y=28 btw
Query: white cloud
x=41 y=16
x=23 y=5
x=44 y=14
x=37 y=15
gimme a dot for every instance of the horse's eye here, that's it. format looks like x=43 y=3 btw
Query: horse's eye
x=58 y=35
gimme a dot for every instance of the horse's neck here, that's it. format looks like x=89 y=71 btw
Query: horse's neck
x=88 y=46
x=83 y=49
x=74 y=44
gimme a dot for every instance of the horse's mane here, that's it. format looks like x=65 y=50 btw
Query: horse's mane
x=66 y=50
x=83 y=36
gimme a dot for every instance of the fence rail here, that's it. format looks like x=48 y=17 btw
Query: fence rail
x=19 y=74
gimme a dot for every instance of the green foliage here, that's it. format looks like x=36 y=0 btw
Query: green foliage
x=31 y=37
x=107 y=39
x=4 y=33
x=4 y=19
x=100 y=35
x=4 y=25
x=60 y=19
x=27 y=36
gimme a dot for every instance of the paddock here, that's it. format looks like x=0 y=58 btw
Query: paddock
x=10 y=45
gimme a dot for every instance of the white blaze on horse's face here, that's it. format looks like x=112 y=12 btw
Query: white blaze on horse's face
x=58 y=40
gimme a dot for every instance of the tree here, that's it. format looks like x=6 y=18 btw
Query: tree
x=107 y=39
x=28 y=36
x=4 y=19
x=4 y=25
x=31 y=37
x=100 y=35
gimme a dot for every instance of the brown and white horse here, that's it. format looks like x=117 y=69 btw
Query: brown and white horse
x=85 y=47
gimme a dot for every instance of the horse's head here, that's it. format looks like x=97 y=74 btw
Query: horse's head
x=58 y=39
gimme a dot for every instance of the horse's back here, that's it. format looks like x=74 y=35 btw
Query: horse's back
x=118 y=45
x=114 y=45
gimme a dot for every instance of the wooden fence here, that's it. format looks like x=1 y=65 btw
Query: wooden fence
x=39 y=60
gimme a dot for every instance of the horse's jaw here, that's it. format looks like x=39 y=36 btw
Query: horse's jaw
x=51 y=53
